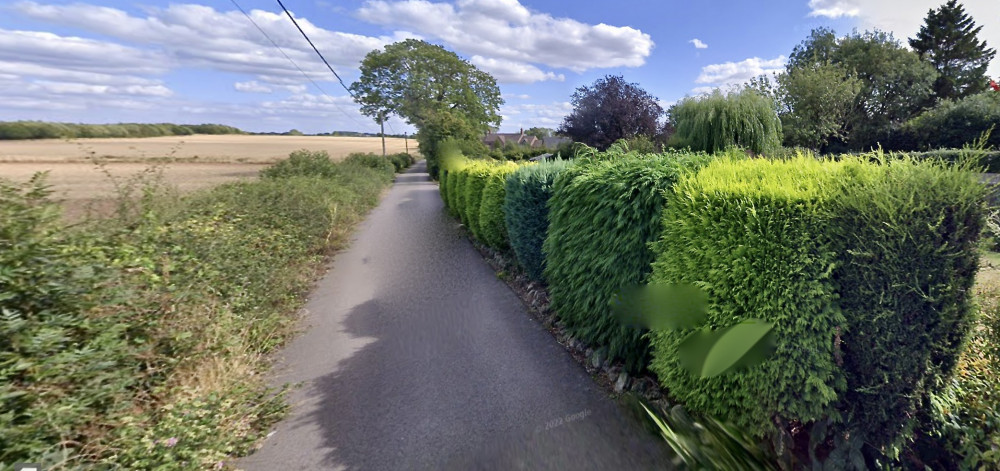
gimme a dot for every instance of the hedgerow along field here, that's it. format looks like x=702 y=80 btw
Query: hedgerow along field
x=864 y=267
x=139 y=341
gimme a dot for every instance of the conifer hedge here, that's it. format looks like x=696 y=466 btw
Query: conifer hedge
x=754 y=235
x=603 y=215
x=492 y=230
x=865 y=269
x=526 y=212
x=477 y=172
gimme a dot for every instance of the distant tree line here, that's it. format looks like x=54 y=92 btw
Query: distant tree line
x=13 y=130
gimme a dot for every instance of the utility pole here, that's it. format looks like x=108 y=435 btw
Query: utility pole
x=406 y=141
x=381 y=122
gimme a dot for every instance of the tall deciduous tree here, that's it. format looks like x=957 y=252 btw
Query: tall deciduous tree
x=895 y=83
x=429 y=87
x=949 y=40
x=609 y=110
x=816 y=103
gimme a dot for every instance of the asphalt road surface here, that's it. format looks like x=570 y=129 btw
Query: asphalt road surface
x=415 y=356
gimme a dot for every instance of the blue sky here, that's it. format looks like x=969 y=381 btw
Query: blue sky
x=196 y=61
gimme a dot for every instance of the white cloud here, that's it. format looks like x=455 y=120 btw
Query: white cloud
x=514 y=72
x=834 y=8
x=505 y=29
x=903 y=18
x=734 y=73
x=701 y=91
x=199 y=36
x=528 y=115
x=252 y=86
x=698 y=44
x=517 y=96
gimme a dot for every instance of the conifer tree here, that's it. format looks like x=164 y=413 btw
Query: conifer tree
x=949 y=40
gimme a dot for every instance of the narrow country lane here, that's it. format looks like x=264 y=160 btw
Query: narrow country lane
x=415 y=356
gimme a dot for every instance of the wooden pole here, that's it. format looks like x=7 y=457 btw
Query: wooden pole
x=406 y=141
x=381 y=122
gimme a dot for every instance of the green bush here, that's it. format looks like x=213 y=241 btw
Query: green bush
x=716 y=122
x=905 y=272
x=603 y=214
x=382 y=164
x=526 y=212
x=964 y=419
x=752 y=234
x=477 y=172
x=458 y=192
x=864 y=269
x=303 y=163
x=492 y=230
x=10 y=130
x=116 y=339
x=401 y=161
x=955 y=124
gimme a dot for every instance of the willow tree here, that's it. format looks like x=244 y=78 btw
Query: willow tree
x=718 y=121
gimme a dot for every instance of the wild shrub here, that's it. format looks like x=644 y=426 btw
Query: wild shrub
x=401 y=161
x=148 y=339
x=602 y=216
x=375 y=161
x=303 y=163
x=526 y=212
x=492 y=230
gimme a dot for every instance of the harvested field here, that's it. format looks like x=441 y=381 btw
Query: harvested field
x=186 y=163
x=200 y=148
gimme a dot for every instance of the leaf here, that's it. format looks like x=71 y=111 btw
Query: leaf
x=706 y=353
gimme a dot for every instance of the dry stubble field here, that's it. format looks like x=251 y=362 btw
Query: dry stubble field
x=186 y=162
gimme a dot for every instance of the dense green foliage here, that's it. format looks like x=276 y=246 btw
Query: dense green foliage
x=603 y=214
x=953 y=124
x=948 y=39
x=526 y=212
x=907 y=262
x=717 y=122
x=431 y=88
x=477 y=173
x=375 y=161
x=138 y=343
x=964 y=420
x=492 y=230
x=864 y=268
x=750 y=234
x=895 y=83
x=45 y=130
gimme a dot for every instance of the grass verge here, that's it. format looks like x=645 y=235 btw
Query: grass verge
x=139 y=341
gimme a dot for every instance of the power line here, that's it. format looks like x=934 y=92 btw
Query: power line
x=304 y=74
x=320 y=54
x=304 y=35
